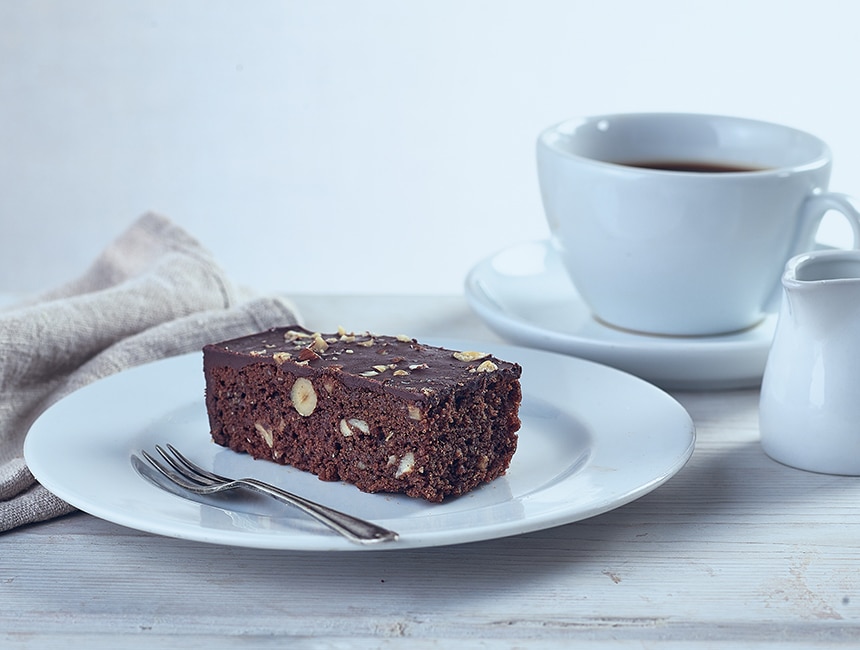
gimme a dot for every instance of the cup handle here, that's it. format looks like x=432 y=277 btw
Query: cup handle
x=811 y=213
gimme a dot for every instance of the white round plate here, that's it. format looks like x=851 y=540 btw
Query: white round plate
x=592 y=439
x=524 y=294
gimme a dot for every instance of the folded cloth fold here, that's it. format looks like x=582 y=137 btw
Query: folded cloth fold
x=154 y=292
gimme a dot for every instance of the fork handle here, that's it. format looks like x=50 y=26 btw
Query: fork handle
x=357 y=530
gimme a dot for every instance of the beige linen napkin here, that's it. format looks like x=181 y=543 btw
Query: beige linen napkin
x=153 y=293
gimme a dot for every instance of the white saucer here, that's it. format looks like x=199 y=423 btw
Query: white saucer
x=524 y=294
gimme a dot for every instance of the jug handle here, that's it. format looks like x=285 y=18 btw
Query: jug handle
x=811 y=213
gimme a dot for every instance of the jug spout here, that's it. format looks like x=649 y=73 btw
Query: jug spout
x=809 y=411
x=822 y=289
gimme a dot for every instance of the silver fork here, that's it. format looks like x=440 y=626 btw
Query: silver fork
x=195 y=479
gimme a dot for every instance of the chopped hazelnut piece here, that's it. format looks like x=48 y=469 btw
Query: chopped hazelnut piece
x=304 y=396
x=470 y=355
x=292 y=335
x=265 y=433
x=353 y=425
x=318 y=344
x=487 y=366
x=406 y=465
x=307 y=355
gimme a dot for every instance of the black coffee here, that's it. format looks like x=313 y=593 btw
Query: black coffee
x=690 y=166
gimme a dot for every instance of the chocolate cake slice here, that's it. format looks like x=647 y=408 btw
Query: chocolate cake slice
x=387 y=414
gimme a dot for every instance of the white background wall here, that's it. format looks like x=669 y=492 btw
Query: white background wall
x=365 y=145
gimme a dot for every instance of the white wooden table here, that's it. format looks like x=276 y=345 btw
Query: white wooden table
x=734 y=550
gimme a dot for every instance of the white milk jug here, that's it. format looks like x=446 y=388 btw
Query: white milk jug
x=809 y=413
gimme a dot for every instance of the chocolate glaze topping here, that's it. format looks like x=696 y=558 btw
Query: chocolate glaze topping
x=398 y=364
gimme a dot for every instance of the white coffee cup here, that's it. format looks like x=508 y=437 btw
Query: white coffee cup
x=681 y=224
